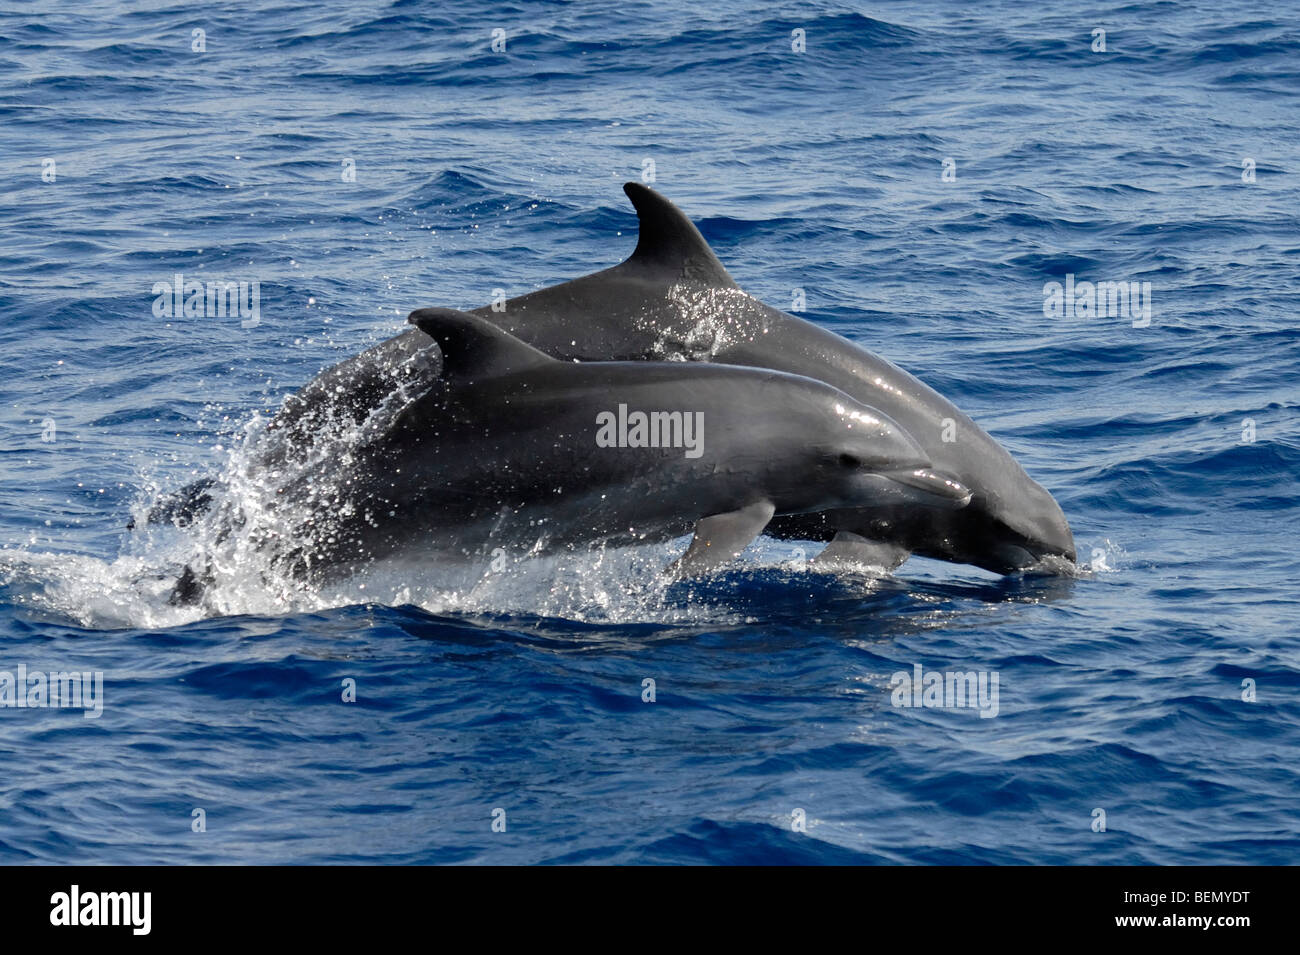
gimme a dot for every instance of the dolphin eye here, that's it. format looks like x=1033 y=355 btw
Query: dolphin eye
x=850 y=460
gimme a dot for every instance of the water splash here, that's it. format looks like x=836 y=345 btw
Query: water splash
x=279 y=496
x=710 y=319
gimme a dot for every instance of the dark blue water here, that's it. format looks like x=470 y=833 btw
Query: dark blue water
x=1121 y=685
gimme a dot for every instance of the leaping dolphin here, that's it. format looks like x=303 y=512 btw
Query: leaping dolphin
x=504 y=446
x=673 y=299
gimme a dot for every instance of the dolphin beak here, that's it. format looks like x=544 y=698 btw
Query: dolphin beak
x=1038 y=531
x=945 y=489
x=1057 y=537
x=1051 y=535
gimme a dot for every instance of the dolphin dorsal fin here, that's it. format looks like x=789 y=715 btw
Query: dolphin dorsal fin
x=669 y=241
x=473 y=347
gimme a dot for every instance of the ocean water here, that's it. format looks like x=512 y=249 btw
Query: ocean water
x=921 y=171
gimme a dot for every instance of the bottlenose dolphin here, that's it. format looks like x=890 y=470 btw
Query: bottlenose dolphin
x=673 y=299
x=508 y=447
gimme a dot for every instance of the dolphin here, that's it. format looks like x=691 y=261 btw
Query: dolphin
x=673 y=299
x=508 y=447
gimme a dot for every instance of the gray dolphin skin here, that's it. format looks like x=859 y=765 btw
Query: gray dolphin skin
x=673 y=299
x=508 y=447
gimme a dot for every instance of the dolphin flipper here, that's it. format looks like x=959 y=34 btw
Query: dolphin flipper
x=719 y=539
x=849 y=548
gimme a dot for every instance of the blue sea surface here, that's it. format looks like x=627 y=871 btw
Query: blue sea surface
x=921 y=171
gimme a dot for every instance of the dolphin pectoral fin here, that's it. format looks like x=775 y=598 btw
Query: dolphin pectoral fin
x=721 y=538
x=850 y=548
